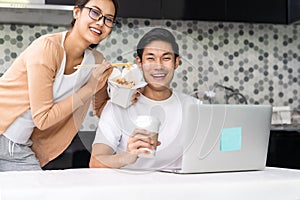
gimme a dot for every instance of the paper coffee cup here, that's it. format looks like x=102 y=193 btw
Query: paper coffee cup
x=151 y=124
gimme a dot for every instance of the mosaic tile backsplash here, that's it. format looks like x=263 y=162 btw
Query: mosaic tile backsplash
x=260 y=62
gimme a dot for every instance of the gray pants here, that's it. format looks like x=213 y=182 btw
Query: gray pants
x=17 y=157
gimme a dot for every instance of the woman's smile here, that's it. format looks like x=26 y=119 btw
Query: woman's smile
x=96 y=31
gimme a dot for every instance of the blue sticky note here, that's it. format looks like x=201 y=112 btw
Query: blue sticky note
x=231 y=139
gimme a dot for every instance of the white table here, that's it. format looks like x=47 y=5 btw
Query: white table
x=86 y=184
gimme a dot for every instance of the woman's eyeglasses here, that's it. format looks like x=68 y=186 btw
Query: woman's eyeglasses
x=97 y=15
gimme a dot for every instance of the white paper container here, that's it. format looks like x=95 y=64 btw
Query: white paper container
x=120 y=94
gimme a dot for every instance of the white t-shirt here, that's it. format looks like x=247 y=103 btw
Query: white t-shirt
x=117 y=124
x=64 y=85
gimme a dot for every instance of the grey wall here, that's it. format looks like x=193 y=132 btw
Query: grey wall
x=262 y=61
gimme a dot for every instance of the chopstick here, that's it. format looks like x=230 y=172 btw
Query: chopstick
x=126 y=65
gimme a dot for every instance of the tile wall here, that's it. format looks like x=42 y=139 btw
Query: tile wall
x=259 y=61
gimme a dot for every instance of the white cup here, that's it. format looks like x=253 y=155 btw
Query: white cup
x=151 y=124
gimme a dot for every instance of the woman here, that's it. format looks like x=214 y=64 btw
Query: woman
x=44 y=97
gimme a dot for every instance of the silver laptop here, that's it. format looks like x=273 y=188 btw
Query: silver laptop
x=223 y=138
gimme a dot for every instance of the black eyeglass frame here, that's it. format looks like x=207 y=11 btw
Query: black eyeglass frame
x=114 y=22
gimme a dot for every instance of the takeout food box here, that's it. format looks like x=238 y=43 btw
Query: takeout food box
x=122 y=84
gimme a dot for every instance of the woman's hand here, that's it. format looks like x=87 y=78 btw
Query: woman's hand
x=100 y=75
x=101 y=69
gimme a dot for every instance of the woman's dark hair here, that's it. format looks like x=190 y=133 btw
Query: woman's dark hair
x=82 y=3
x=157 y=34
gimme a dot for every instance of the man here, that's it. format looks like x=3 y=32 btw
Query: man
x=118 y=143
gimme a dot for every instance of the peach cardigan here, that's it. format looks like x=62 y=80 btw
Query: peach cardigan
x=28 y=84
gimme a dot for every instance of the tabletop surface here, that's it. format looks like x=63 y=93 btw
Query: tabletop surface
x=271 y=183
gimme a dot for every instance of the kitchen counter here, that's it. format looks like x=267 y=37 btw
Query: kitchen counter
x=272 y=183
x=288 y=128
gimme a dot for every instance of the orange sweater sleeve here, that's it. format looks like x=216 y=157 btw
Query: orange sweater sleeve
x=101 y=96
x=99 y=100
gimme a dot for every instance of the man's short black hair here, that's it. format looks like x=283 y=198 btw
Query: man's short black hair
x=157 y=34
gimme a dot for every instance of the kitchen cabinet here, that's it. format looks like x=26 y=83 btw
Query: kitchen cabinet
x=194 y=10
x=140 y=9
x=253 y=11
x=265 y=11
x=173 y=9
x=128 y=8
x=284 y=148
x=256 y=10
x=60 y=2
